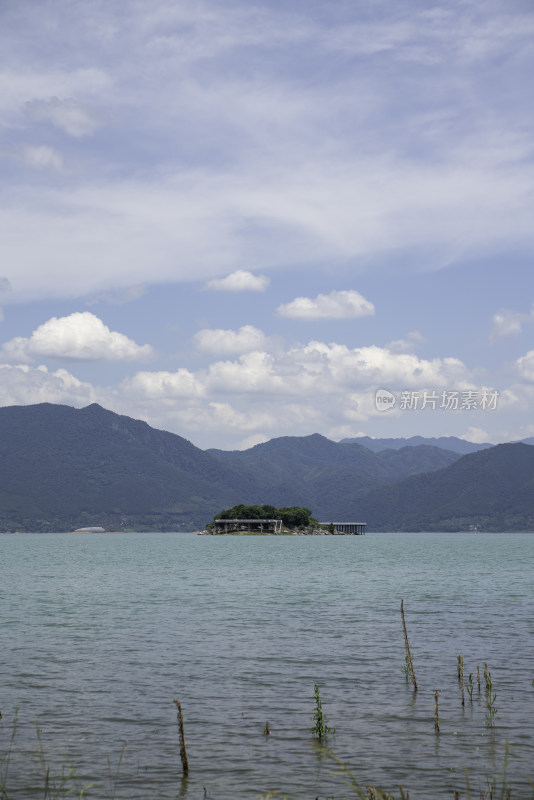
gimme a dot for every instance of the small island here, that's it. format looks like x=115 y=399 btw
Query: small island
x=266 y=520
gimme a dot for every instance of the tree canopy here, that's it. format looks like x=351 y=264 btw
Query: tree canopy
x=291 y=516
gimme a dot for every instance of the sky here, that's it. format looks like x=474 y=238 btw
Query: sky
x=238 y=220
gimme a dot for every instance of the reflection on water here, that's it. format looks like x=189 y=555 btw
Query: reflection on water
x=100 y=632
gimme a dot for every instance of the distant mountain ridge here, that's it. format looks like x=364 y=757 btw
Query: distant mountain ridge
x=63 y=468
x=490 y=489
x=446 y=442
x=326 y=476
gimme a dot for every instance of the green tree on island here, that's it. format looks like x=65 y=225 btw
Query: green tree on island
x=291 y=516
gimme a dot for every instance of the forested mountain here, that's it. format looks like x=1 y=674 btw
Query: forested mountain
x=491 y=489
x=327 y=476
x=63 y=468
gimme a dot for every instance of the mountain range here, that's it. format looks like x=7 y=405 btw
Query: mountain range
x=63 y=468
x=446 y=442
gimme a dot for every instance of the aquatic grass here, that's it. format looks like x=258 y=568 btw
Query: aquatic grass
x=408 y=657
x=57 y=784
x=7 y=759
x=369 y=792
x=436 y=711
x=58 y=787
x=183 y=750
x=490 y=697
x=320 y=728
x=469 y=687
x=114 y=778
x=64 y=783
x=461 y=677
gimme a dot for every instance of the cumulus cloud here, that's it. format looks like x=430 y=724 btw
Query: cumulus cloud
x=80 y=336
x=336 y=305
x=314 y=370
x=525 y=366
x=239 y=281
x=67 y=115
x=23 y=385
x=509 y=323
x=227 y=342
x=234 y=402
x=477 y=435
x=314 y=387
x=43 y=157
x=165 y=385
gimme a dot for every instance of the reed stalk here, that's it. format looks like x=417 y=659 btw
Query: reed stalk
x=436 y=711
x=490 y=698
x=183 y=751
x=320 y=728
x=461 y=677
x=469 y=687
x=409 y=659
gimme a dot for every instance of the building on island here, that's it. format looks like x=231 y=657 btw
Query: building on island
x=255 y=525
x=350 y=528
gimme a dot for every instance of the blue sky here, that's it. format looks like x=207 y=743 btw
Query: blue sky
x=240 y=220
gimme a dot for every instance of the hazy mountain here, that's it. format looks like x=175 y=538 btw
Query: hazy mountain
x=62 y=467
x=326 y=476
x=446 y=442
x=492 y=489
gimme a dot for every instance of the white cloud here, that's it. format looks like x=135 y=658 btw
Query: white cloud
x=525 y=366
x=43 y=157
x=329 y=388
x=162 y=385
x=67 y=115
x=227 y=342
x=412 y=341
x=81 y=336
x=23 y=385
x=5 y=285
x=316 y=387
x=252 y=372
x=275 y=167
x=252 y=441
x=477 y=435
x=239 y=281
x=377 y=366
x=509 y=323
x=336 y=305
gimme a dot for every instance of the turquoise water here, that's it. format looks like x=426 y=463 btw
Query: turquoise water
x=100 y=632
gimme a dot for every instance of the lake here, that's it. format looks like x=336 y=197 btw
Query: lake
x=99 y=632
